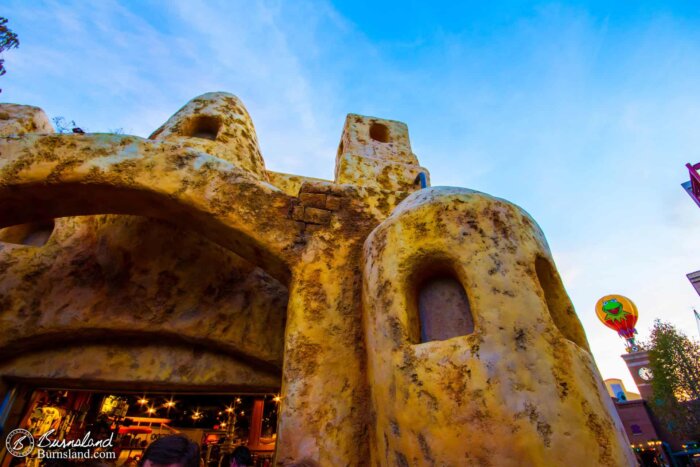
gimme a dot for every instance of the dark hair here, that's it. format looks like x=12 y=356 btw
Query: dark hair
x=306 y=462
x=241 y=455
x=173 y=449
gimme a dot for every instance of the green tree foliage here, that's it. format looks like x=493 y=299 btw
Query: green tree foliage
x=675 y=363
x=8 y=40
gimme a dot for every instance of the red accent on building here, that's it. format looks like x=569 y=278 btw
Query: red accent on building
x=256 y=424
x=693 y=187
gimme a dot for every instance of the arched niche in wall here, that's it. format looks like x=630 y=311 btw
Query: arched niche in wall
x=31 y=234
x=203 y=126
x=558 y=303
x=379 y=132
x=441 y=305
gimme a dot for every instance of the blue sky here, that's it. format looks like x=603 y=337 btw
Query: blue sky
x=584 y=114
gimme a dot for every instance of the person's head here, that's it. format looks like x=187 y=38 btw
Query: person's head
x=306 y=462
x=240 y=457
x=96 y=463
x=173 y=451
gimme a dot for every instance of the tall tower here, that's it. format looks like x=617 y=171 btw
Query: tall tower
x=638 y=364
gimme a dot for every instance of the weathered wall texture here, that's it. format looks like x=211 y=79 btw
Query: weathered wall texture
x=134 y=366
x=219 y=125
x=181 y=263
x=22 y=119
x=518 y=390
x=102 y=277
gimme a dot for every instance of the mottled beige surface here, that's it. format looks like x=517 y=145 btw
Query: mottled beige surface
x=136 y=366
x=43 y=177
x=101 y=276
x=181 y=263
x=22 y=119
x=288 y=183
x=218 y=124
x=365 y=159
x=522 y=389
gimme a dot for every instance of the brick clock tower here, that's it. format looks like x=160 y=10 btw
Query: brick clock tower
x=638 y=364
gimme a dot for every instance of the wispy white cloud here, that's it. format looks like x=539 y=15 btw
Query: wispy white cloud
x=107 y=66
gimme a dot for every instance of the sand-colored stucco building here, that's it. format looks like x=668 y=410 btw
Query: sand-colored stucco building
x=401 y=324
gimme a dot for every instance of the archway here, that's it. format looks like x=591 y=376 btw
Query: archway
x=170 y=314
x=165 y=253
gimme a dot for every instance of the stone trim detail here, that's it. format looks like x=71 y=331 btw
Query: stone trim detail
x=315 y=205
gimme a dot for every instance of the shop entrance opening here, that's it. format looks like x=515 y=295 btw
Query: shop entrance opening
x=133 y=420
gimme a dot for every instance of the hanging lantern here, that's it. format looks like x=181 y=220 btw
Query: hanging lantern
x=619 y=313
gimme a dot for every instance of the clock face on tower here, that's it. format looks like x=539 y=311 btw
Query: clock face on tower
x=645 y=373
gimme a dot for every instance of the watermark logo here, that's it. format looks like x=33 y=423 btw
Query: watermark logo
x=19 y=442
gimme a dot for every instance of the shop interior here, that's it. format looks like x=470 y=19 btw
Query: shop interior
x=218 y=422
